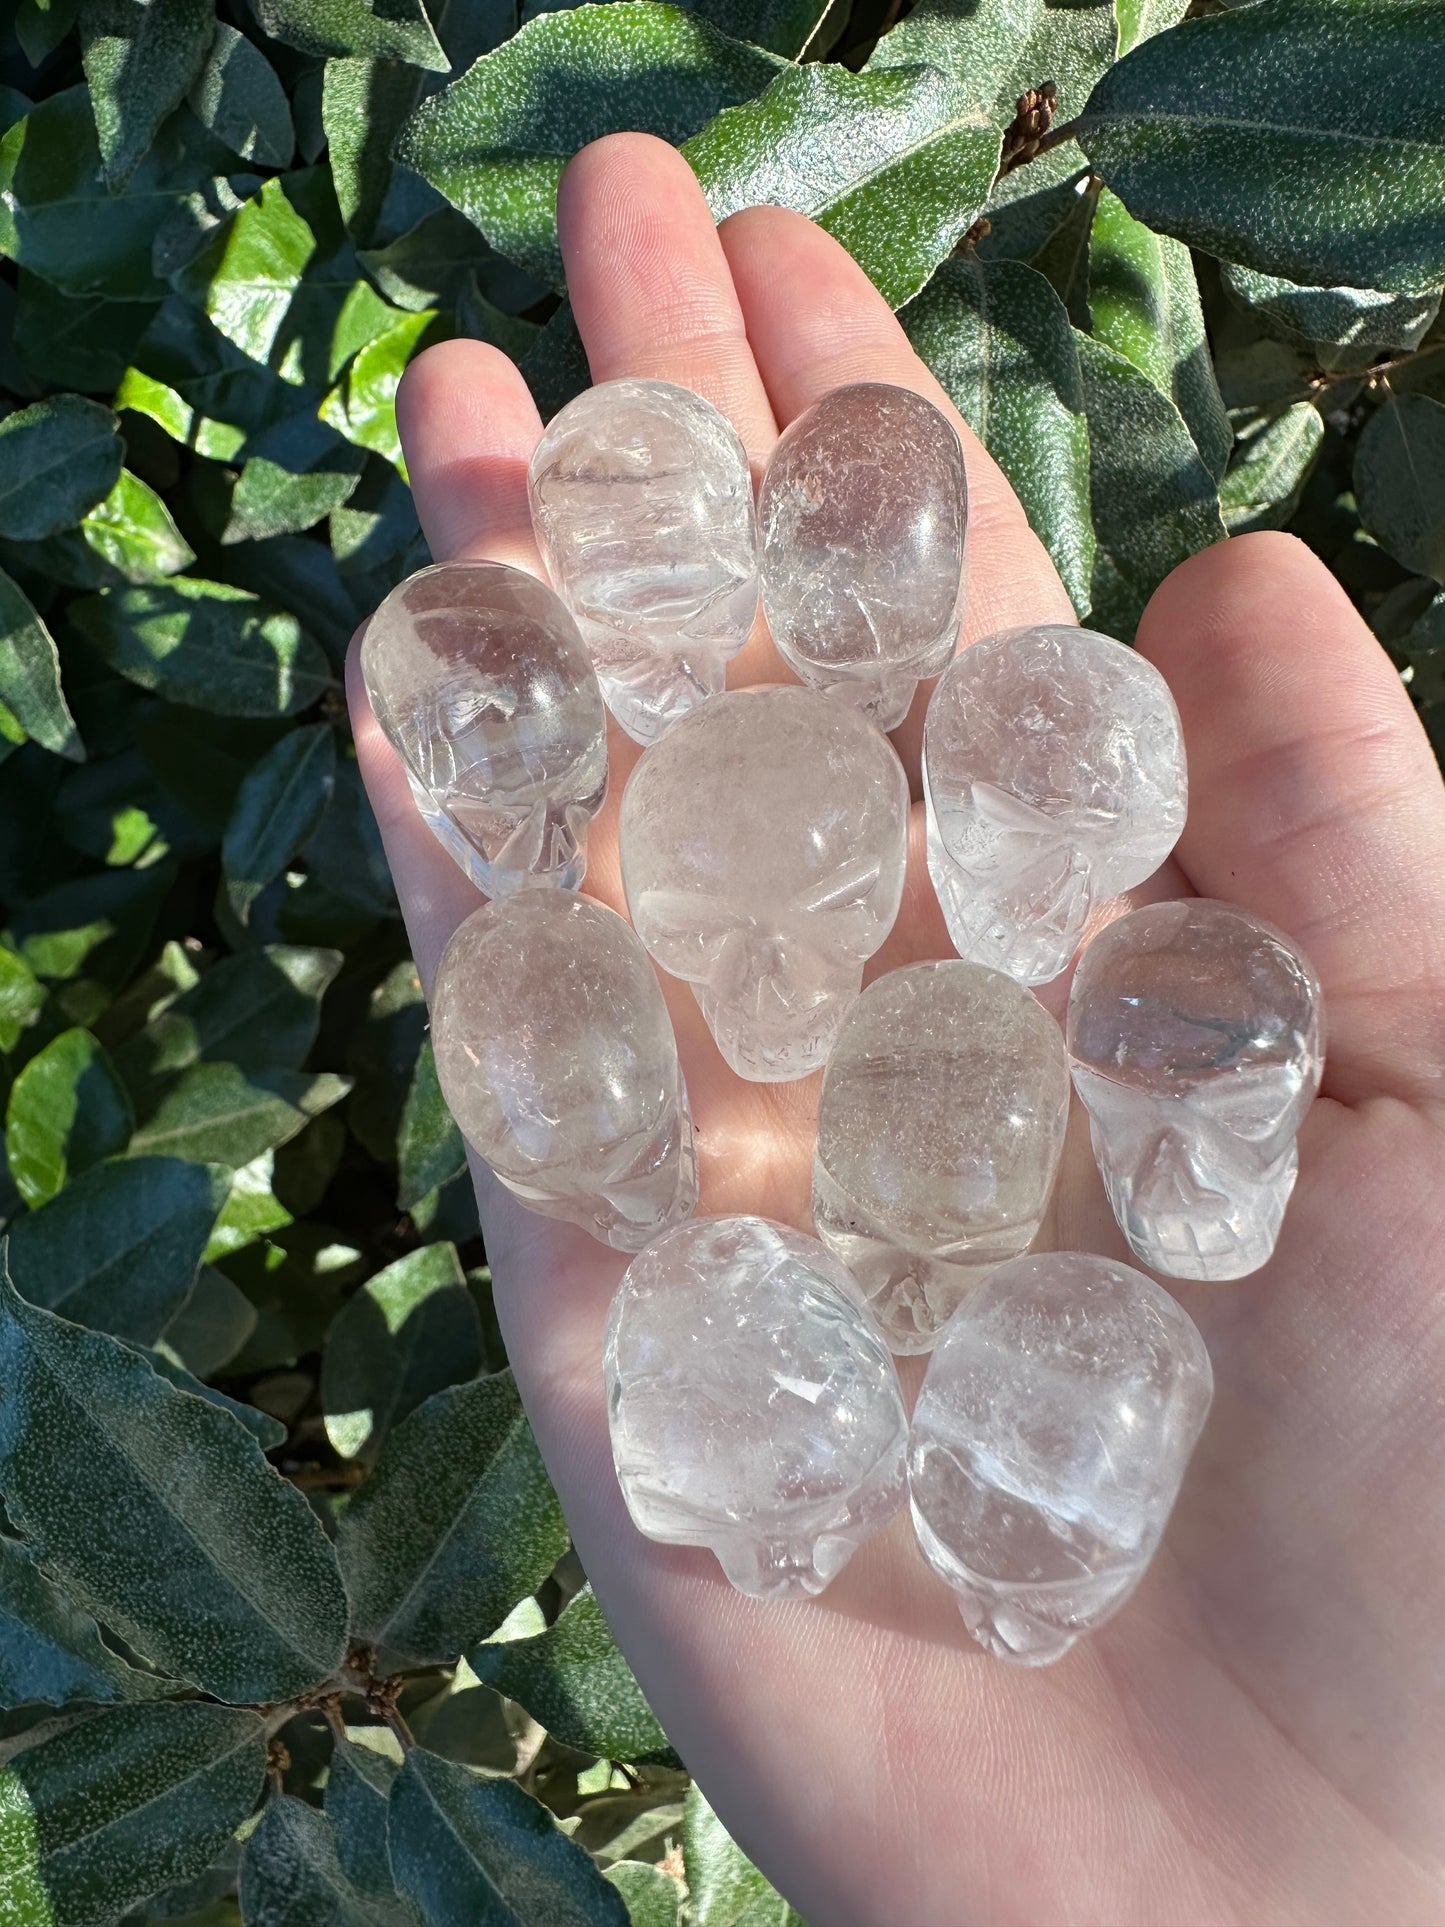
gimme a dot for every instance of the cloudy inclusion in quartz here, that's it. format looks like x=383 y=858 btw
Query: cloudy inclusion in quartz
x=642 y=502
x=939 y=1134
x=763 y=843
x=1048 y=1443
x=556 y=1056
x=480 y=682
x=1054 y=778
x=1196 y=1036
x=862 y=516
x=753 y=1405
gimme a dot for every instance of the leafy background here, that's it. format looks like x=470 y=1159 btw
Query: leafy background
x=273 y=1523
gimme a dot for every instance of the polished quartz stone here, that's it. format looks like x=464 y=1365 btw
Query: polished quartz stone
x=555 y=1054
x=478 y=677
x=1054 y=778
x=1048 y=1443
x=862 y=516
x=1196 y=1035
x=763 y=842
x=753 y=1405
x=642 y=503
x=939 y=1135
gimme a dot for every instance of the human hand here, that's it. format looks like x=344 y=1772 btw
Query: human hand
x=1260 y=1734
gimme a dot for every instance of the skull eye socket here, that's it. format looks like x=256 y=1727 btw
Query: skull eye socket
x=686 y=933
x=850 y=888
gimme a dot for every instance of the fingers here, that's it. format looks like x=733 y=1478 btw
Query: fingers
x=1315 y=800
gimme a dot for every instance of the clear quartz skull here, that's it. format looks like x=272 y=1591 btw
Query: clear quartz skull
x=1196 y=1035
x=939 y=1135
x=763 y=843
x=555 y=1054
x=1055 y=1422
x=862 y=516
x=1054 y=779
x=480 y=682
x=753 y=1405
x=642 y=503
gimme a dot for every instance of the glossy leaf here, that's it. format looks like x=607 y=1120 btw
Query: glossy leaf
x=96 y=926
x=75 y=340
x=896 y=164
x=291 y=1877
x=129 y=537
x=207 y=644
x=295 y=474
x=119 y=1247
x=99 y=1816
x=429 y=1147
x=573 y=1680
x=51 y=1653
x=429 y=265
x=238 y=99
x=457 y=1523
x=158 y=1514
x=479 y=1852
x=67 y=1110
x=141 y=57
x=396 y=30
x=410 y=1331
x=495 y=141
x=364 y=104
x=1144 y=302
x=1400 y=482
x=22 y=998
x=362 y=406
x=1338 y=183
x=724 y=1888
x=220 y=1114
x=57 y=460
x=1271 y=467
x=997 y=337
x=30 y=676
x=277 y=808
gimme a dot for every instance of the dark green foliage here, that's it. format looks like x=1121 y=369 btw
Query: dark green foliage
x=254 y=1437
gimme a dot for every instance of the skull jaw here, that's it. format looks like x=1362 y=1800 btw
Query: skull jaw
x=654 y=1190
x=658 y=687
x=882 y=692
x=1028 y=928
x=544 y=847
x=783 y=1555
x=781 y=1047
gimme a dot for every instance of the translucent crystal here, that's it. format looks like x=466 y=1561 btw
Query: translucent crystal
x=862 y=515
x=753 y=1405
x=642 y=502
x=1055 y=1422
x=479 y=679
x=1054 y=777
x=1196 y=1036
x=555 y=1054
x=939 y=1134
x=763 y=842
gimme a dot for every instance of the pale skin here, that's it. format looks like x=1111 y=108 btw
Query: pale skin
x=1259 y=1736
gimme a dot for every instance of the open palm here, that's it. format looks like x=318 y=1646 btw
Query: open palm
x=1260 y=1735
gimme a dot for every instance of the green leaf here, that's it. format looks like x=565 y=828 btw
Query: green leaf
x=410 y=1331
x=383 y=29
x=159 y=1514
x=51 y=1653
x=199 y=387
x=291 y=1877
x=265 y=1430
x=58 y=458
x=277 y=808
x=141 y=57
x=220 y=1114
x=1400 y=482
x=22 y=998
x=785 y=27
x=41 y=25
x=495 y=141
x=1335 y=177
x=96 y=925
x=1154 y=501
x=895 y=164
x=363 y=106
x=295 y=473
x=212 y=1325
x=362 y=406
x=573 y=1680
x=1063 y=258
x=101 y=1815
x=724 y=1888
x=296 y=1280
x=1343 y=317
x=1144 y=301
x=129 y=537
x=30 y=676
x=75 y=340
x=358 y=1790
x=119 y=1248
x=431 y=264
x=240 y=102
x=1270 y=469
x=208 y=644
x=1142 y=19
x=429 y=1146
x=479 y=1852
x=67 y=1110
x=997 y=337
x=652 y=1897
x=457 y=1523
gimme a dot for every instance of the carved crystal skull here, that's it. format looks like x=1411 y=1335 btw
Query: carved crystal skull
x=763 y=842
x=1054 y=777
x=555 y=1054
x=482 y=685
x=1195 y=1032
x=642 y=504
